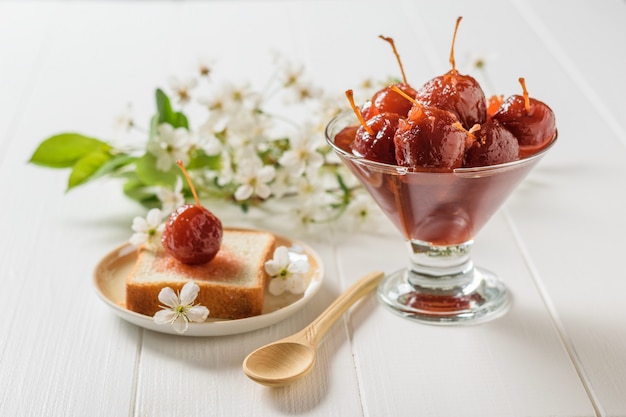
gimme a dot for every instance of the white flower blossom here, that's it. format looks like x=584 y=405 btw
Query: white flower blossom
x=169 y=146
x=291 y=76
x=182 y=88
x=148 y=231
x=125 y=121
x=178 y=309
x=171 y=199
x=302 y=156
x=361 y=210
x=286 y=275
x=205 y=67
x=209 y=143
x=282 y=184
x=254 y=178
x=226 y=103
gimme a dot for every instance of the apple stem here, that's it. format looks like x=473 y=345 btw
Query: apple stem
x=405 y=95
x=186 y=174
x=359 y=115
x=456 y=28
x=411 y=99
x=395 y=52
x=526 y=98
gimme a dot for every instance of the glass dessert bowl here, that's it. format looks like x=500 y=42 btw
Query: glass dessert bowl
x=439 y=214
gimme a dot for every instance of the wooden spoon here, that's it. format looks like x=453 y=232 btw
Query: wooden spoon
x=283 y=362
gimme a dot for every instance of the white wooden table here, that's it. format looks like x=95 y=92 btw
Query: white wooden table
x=558 y=243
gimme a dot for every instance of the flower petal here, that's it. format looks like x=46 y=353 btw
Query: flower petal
x=272 y=267
x=277 y=286
x=154 y=218
x=300 y=266
x=263 y=190
x=164 y=316
x=189 y=293
x=281 y=255
x=138 y=238
x=296 y=284
x=197 y=314
x=168 y=297
x=243 y=192
x=266 y=174
x=180 y=324
x=140 y=225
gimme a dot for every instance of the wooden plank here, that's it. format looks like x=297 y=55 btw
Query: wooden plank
x=408 y=368
x=583 y=287
x=62 y=351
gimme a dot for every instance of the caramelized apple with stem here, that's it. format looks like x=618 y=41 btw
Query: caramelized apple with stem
x=456 y=93
x=531 y=121
x=374 y=137
x=429 y=138
x=192 y=235
x=386 y=100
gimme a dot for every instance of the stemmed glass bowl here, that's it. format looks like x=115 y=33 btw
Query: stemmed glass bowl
x=439 y=214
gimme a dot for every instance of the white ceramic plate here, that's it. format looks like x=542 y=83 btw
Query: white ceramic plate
x=110 y=278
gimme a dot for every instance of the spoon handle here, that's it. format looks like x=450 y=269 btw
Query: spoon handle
x=318 y=328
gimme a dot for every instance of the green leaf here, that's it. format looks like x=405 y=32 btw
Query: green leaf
x=114 y=164
x=86 y=167
x=199 y=159
x=147 y=172
x=135 y=189
x=64 y=150
x=167 y=114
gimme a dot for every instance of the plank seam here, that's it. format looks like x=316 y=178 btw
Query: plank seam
x=554 y=316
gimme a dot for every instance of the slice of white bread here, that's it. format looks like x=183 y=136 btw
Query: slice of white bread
x=231 y=285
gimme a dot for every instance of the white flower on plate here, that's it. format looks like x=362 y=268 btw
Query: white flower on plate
x=286 y=275
x=254 y=178
x=171 y=199
x=169 y=146
x=178 y=309
x=148 y=231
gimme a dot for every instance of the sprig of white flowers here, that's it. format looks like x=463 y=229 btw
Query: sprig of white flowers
x=246 y=146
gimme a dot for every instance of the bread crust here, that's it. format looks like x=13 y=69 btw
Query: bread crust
x=232 y=285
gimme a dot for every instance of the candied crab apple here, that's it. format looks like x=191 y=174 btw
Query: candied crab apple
x=192 y=235
x=380 y=146
x=457 y=93
x=430 y=138
x=387 y=100
x=531 y=121
x=373 y=139
x=493 y=145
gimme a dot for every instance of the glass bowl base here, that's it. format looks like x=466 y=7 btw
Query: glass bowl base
x=483 y=299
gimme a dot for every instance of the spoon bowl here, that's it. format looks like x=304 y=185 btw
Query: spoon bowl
x=287 y=360
x=297 y=360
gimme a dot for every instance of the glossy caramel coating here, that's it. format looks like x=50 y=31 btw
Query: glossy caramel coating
x=493 y=145
x=456 y=93
x=388 y=101
x=192 y=234
x=534 y=127
x=379 y=147
x=430 y=138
